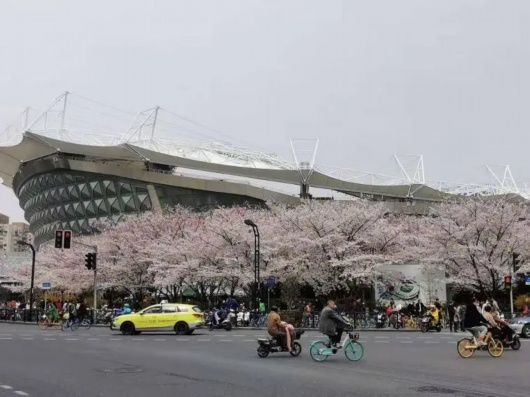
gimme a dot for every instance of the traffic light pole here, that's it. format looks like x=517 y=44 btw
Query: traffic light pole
x=511 y=288
x=95 y=306
x=94 y=314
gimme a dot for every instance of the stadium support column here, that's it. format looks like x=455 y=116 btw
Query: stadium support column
x=154 y=197
x=304 y=191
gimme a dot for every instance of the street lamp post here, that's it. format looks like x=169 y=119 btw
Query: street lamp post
x=257 y=288
x=22 y=242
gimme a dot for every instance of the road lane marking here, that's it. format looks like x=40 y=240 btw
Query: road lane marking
x=6 y=338
x=159 y=340
x=402 y=337
x=382 y=337
x=452 y=342
x=225 y=340
x=115 y=338
x=406 y=341
x=432 y=341
x=50 y=339
x=21 y=393
x=28 y=338
x=6 y=387
x=238 y=335
x=204 y=340
x=381 y=341
x=182 y=340
x=249 y=340
x=94 y=339
x=71 y=339
x=139 y=339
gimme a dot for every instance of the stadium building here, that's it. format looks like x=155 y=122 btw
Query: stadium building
x=63 y=185
x=64 y=182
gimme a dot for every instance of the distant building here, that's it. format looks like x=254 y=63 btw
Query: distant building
x=10 y=233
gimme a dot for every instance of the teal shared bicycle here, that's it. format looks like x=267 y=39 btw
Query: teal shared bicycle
x=320 y=350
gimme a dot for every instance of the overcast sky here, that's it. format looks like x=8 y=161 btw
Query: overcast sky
x=446 y=79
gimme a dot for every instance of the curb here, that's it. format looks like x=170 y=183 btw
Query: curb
x=243 y=328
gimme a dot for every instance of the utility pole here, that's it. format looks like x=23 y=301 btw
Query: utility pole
x=257 y=287
x=22 y=242
x=95 y=269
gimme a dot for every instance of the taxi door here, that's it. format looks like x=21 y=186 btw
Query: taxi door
x=150 y=318
x=169 y=316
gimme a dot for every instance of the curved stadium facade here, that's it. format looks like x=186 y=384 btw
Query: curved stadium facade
x=64 y=185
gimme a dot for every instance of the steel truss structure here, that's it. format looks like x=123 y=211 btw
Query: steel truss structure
x=77 y=119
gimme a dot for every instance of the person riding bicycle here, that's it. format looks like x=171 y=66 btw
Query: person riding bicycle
x=332 y=324
x=280 y=329
x=475 y=322
x=82 y=311
x=53 y=313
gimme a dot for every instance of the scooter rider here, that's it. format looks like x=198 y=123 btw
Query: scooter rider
x=218 y=316
x=332 y=324
x=278 y=328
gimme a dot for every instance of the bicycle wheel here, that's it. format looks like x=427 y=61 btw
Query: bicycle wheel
x=316 y=349
x=495 y=348
x=86 y=323
x=74 y=326
x=464 y=347
x=354 y=351
x=43 y=323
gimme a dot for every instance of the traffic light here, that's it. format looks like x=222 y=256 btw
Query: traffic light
x=507 y=282
x=58 y=239
x=67 y=238
x=90 y=261
x=516 y=261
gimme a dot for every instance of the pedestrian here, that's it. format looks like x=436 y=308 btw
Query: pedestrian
x=462 y=316
x=456 y=318
x=526 y=310
x=307 y=315
x=262 y=308
x=451 y=316
x=438 y=304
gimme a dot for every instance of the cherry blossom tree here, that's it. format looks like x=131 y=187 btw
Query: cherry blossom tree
x=476 y=239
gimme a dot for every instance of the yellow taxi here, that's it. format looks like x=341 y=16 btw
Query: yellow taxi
x=181 y=318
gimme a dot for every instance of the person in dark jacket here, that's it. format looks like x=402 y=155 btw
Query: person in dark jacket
x=331 y=323
x=451 y=316
x=475 y=322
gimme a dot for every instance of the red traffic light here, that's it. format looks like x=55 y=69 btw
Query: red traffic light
x=507 y=281
x=67 y=239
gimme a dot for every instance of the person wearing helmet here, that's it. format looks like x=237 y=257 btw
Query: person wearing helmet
x=126 y=309
x=435 y=314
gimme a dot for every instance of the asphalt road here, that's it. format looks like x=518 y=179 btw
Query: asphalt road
x=99 y=362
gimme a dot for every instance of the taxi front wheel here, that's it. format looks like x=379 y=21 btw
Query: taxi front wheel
x=127 y=328
x=181 y=328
